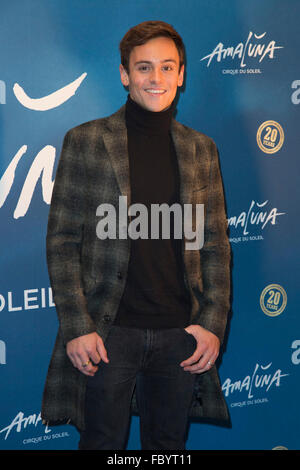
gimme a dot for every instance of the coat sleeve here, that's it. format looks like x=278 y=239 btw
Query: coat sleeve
x=63 y=243
x=215 y=254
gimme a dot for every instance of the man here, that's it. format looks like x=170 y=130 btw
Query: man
x=141 y=319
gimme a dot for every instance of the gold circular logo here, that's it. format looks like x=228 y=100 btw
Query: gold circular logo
x=270 y=137
x=273 y=300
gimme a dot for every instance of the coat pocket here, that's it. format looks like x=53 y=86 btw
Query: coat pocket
x=200 y=188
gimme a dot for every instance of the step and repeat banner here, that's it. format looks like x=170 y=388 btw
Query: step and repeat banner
x=59 y=68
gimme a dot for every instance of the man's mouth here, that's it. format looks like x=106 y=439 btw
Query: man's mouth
x=155 y=91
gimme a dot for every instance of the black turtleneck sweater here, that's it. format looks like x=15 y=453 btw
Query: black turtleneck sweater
x=155 y=295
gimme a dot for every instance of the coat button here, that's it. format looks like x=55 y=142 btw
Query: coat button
x=106 y=318
x=119 y=275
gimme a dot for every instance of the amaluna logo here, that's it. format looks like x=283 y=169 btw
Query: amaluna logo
x=21 y=422
x=244 y=50
x=257 y=214
x=262 y=378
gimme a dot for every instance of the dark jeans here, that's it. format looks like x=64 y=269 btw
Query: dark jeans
x=147 y=359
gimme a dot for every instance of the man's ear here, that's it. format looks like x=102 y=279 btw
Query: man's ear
x=181 y=76
x=124 y=75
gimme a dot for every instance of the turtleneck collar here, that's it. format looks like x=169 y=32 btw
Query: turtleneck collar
x=148 y=122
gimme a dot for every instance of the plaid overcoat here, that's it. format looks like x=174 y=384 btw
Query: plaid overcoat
x=88 y=275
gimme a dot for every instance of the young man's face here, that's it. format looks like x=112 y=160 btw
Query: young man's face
x=154 y=74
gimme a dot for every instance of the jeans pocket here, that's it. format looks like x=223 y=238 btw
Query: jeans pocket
x=185 y=332
x=189 y=335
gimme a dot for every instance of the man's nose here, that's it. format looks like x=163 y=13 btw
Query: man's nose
x=156 y=75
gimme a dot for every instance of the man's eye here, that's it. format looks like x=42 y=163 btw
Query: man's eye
x=168 y=68
x=144 y=68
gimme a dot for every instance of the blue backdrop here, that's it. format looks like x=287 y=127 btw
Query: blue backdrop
x=59 y=68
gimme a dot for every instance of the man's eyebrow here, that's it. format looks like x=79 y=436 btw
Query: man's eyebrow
x=149 y=61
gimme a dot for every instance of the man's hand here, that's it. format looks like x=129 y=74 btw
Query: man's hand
x=206 y=352
x=87 y=351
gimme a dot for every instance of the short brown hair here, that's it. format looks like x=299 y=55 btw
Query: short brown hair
x=143 y=32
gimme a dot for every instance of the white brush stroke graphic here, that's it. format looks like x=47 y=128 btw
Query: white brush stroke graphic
x=43 y=163
x=50 y=101
x=42 y=166
x=9 y=175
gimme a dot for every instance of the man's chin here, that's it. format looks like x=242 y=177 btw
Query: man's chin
x=150 y=105
x=157 y=108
